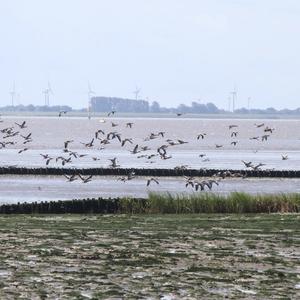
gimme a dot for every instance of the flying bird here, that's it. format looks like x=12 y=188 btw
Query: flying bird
x=152 y=179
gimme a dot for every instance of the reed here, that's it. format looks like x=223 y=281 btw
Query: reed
x=215 y=203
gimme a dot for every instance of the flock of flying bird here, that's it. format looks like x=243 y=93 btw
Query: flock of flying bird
x=10 y=133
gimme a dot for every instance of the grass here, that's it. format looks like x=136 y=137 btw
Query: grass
x=166 y=203
x=216 y=203
x=155 y=256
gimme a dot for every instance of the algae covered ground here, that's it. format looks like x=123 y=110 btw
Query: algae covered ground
x=196 y=256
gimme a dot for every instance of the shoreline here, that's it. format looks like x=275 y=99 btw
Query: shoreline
x=120 y=115
x=165 y=203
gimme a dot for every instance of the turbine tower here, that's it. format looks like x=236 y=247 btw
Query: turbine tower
x=47 y=93
x=229 y=103
x=234 y=98
x=13 y=94
x=90 y=94
x=249 y=100
x=136 y=92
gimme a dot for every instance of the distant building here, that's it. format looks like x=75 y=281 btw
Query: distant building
x=106 y=104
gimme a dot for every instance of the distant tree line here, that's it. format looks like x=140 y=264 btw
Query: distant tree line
x=269 y=110
x=107 y=104
x=35 y=108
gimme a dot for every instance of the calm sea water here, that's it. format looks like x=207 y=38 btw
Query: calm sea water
x=50 y=133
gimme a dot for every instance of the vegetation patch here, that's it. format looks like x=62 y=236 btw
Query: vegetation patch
x=139 y=256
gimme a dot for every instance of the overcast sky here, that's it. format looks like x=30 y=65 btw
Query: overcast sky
x=176 y=51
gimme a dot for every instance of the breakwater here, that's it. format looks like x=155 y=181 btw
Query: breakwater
x=158 y=172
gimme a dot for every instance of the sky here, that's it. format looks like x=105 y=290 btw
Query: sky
x=175 y=51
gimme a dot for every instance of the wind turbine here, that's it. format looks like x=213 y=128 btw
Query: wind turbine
x=90 y=94
x=136 y=92
x=13 y=94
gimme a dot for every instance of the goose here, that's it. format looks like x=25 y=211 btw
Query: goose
x=247 y=164
x=162 y=150
x=21 y=126
x=11 y=135
x=284 y=157
x=182 y=142
x=66 y=143
x=85 y=179
x=182 y=167
x=45 y=156
x=104 y=141
x=164 y=156
x=48 y=160
x=95 y=158
x=209 y=183
x=172 y=143
x=112 y=135
x=259 y=125
x=198 y=185
x=257 y=166
x=111 y=113
x=114 y=162
x=265 y=137
x=126 y=140
x=26 y=137
x=232 y=126
x=73 y=153
x=189 y=183
x=22 y=150
x=201 y=135
x=62 y=112
x=145 y=148
x=129 y=124
x=7 y=130
x=152 y=179
x=268 y=129
x=88 y=145
x=71 y=178
x=152 y=137
x=97 y=133
x=135 y=150
x=27 y=141
x=130 y=176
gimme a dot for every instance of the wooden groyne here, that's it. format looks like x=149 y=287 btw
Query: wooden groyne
x=99 y=205
x=158 y=172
